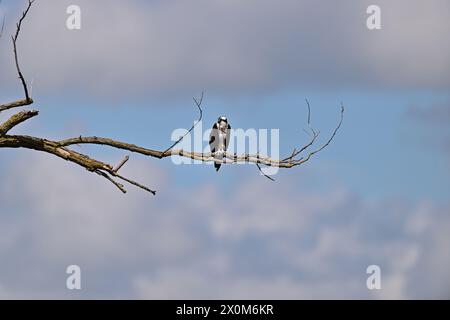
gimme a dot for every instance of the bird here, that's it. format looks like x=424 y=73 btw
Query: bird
x=219 y=140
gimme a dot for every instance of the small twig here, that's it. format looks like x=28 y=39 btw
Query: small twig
x=335 y=130
x=292 y=155
x=14 y=41
x=309 y=111
x=117 y=184
x=137 y=184
x=296 y=153
x=28 y=100
x=313 y=137
x=329 y=140
x=121 y=163
x=199 y=104
x=265 y=175
x=262 y=172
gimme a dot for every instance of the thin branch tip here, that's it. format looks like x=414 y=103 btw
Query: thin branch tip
x=262 y=173
x=121 y=163
x=199 y=106
x=309 y=111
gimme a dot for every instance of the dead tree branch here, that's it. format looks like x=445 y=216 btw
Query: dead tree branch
x=62 y=148
x=38 y=144
x=14 y=41
x=15 y=104
x=262 y=172
x=16 y=119
x=27 y=101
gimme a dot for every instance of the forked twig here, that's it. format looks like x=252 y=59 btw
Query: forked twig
x=14 y=40
x=199 y=104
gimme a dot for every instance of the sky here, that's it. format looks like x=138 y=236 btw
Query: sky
x=378 y=195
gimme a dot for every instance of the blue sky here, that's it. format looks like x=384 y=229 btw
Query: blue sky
x=379 y=152
x=378 y=194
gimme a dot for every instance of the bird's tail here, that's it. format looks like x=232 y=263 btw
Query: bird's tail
x=218 y=163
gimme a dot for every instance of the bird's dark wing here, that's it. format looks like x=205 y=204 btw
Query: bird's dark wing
x=227 y=139
x=214 y=137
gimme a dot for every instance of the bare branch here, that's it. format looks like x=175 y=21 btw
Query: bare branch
x=117 y=184
x=121 y=163
x=309 y=111
x=28 y=100
x=17 y=119
x=62 y=149
x=329 y=140
x=199 y=104
x=14 y=41
x=114 y=144
x=15 y=104
x=296 y=153
x=44 y=145
x=265 y=175
x=53 y=147
x=288 y=162
x=313 y=135
x=261 y=171
x=137 y=184
x=59 y=148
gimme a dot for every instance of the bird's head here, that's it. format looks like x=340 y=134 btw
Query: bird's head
x=222 y=118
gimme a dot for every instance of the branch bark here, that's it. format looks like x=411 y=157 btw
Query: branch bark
x=16 y=104
x=17 y=119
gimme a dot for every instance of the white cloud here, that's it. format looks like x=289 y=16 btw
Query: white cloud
x=267 y=242
x=174 y=48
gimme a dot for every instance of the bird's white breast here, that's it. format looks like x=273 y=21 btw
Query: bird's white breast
x=221 y=142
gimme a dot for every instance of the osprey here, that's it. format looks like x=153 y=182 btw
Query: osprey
x=219 y=140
